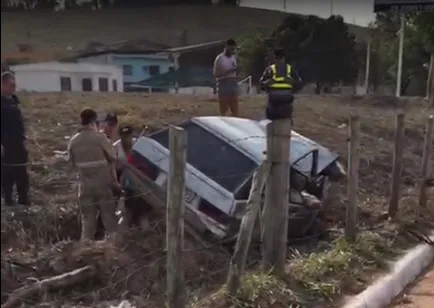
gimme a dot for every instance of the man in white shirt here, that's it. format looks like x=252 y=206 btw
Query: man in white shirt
x=225 y=72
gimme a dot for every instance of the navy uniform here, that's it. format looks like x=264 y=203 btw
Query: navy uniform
x=281 y=82
x=15 y=156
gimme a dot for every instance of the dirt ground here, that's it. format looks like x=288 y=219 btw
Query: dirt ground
x=43 y=239
x=420 y=294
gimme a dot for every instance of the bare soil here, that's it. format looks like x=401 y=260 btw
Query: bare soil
x=45 y=236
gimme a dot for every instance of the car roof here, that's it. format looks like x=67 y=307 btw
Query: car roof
x=249 y=136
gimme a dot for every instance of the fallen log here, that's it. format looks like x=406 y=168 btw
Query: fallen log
x=50 y=284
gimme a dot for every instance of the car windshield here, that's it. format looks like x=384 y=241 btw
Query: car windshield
x=212 y=156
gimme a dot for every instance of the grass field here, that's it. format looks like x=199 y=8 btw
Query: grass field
x=45 y=236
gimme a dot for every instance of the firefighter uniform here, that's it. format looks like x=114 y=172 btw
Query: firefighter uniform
x=92 y=156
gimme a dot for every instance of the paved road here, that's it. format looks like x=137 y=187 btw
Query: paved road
x=420 y=294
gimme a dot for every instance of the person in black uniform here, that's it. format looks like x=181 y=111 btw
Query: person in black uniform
x=281 y=81
x=14 y=155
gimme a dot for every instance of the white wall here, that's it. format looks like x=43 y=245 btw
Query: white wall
x=49 y=81
x=37 y=81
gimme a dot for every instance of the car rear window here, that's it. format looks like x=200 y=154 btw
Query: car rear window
x=214 y=157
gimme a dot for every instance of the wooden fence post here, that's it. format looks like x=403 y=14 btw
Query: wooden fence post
x=397 y=165
x=427 y=154
x=238 y=260
x=353 y=179
x=275 y=214
x=175 y=218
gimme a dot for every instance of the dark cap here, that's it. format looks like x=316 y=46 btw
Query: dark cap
x=125 y=129
x=279 y=53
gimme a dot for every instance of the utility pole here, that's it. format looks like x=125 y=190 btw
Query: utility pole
x=368 y=64
x=331 y=8
x=400 y=55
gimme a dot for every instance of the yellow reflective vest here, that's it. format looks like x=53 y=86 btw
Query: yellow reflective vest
x=280 y=82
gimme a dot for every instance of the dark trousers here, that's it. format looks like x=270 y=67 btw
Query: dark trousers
x=279 y=106
x=14 y=173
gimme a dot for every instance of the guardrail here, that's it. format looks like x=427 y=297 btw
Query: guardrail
x=247 y=80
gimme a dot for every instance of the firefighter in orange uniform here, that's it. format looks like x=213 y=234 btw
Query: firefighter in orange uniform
x=92 y=155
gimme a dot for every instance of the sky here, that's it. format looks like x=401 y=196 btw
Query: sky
x=359 y=12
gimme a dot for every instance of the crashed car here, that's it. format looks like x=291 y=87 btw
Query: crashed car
x=222 y=155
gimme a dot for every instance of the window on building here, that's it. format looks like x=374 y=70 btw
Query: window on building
x=103 y=84
x=127 y=70
x=154 y=70
x=65 y=84
x=86 y=85
x=115 y=85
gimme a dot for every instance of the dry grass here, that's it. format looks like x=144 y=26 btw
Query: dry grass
x=48 y=230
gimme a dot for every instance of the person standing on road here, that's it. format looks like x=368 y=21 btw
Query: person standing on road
x=92 y=155
x=225 y=72
x=14 y=154
x=281 y=81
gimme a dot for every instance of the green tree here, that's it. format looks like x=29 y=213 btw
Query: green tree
x=417 y=47
x=424 y=26
x=253 y=53
x=323 y=50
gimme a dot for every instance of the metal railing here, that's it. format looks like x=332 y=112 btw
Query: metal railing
x=247 y=80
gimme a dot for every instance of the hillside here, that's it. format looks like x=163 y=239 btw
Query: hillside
x=172 y=25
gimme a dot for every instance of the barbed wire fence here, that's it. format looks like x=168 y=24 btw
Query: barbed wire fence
x=152 y=258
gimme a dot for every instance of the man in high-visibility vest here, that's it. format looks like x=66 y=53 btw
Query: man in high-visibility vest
x=280 y=80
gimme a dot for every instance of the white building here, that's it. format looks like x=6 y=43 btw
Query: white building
x=57 y=76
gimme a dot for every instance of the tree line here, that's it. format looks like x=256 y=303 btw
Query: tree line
x=326 y=53
x=323 y=50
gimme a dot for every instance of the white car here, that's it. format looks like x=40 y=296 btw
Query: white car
x=222 y=154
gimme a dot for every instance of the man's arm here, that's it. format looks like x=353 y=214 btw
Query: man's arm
x=70 y=158
x=21 y=130
x=111 y=156
x=297 y=81
x=108 y=149
x=265 y=78
x=218 y=68
x=3 y=127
